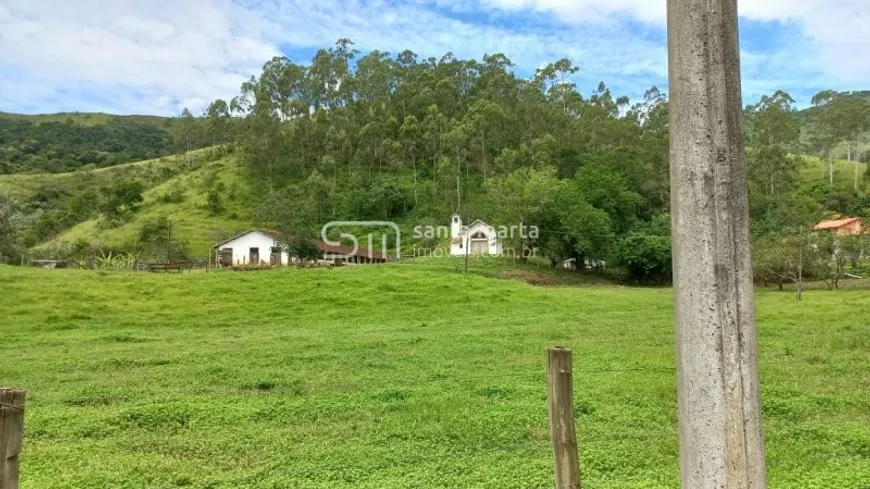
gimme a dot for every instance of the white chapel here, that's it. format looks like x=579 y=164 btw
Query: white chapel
x=479 y=238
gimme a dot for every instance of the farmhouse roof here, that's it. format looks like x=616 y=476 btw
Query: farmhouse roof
x=273 y=234
x=835 y=224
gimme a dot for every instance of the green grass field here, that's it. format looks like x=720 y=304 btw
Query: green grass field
x=396 y=376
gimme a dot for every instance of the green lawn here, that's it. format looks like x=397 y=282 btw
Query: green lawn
x=396 y=376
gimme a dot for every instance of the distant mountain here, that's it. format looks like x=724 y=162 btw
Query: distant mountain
x=808 y=127
x=87 y=118
x=68 y=141
x=865 y=94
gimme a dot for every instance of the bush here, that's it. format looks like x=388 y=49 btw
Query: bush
x=174 y=195
x=155 y=240
x=646 y=257
x=209 y=179
x=213 y=202
x=303 y=248
x=122 y=198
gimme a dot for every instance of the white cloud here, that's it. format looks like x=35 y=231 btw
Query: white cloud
x=587 y=10
x=839 y=30
x=143 y=53
x=607 y=51
x=156 y=56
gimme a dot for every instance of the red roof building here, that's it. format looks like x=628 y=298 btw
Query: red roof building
x=850 y=226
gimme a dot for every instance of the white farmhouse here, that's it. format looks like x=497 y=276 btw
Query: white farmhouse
x=479 y=238
x=259 y=247
x=252 y=248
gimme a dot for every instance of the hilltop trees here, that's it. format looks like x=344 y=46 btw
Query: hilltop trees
x=374 y=135
x=398 y=137
x=28 y=145
x=381 y=136
x=840 y=117
x=772 y=131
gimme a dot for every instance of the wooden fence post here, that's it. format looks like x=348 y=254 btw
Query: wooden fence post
x=11 y=431
x=560 y=393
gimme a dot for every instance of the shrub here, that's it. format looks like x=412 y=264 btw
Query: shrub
x=122 y=198
x=303 y=248
x=213 y=202
x=174 y=195
x=646 y=257
x=155 y=240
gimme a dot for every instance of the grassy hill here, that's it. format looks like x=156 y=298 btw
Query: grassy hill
x=182 y=199
x=816 y=170
x=25 y=186
x=396 y=376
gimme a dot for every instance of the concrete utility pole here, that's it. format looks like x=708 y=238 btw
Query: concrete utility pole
x=721 y=441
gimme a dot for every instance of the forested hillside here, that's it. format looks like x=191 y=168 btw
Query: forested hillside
x=375 y=136
x=65 y=142
x=836 y=124
x=410 y=140
x=378 y=136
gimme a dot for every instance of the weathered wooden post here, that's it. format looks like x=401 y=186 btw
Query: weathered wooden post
x=560 y=392
x=11 y=431
x=721 y=441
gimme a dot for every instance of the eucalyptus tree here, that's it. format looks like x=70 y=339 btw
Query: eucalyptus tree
x=772 y=128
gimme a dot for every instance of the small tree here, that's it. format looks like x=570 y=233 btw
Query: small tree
x=783 y=257
x=13 y=221
x=213 y=202
x=646 y=257
x=155 y=240
x=832 y=255
x=121 y=199
x=303 y=248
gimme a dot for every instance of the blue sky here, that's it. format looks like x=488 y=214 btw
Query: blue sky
x=158 y=56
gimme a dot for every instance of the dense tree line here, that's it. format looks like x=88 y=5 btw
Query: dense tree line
x=377 y=136
x=32 y=146
x=400 y=138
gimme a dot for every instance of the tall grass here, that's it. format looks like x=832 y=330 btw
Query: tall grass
x=396 y=376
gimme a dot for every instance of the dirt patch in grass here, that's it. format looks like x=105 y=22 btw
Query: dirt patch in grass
x=554 y=278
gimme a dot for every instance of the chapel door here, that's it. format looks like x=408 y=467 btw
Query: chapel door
x=479 y=244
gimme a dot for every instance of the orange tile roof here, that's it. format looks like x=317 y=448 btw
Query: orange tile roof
x=836 y=224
